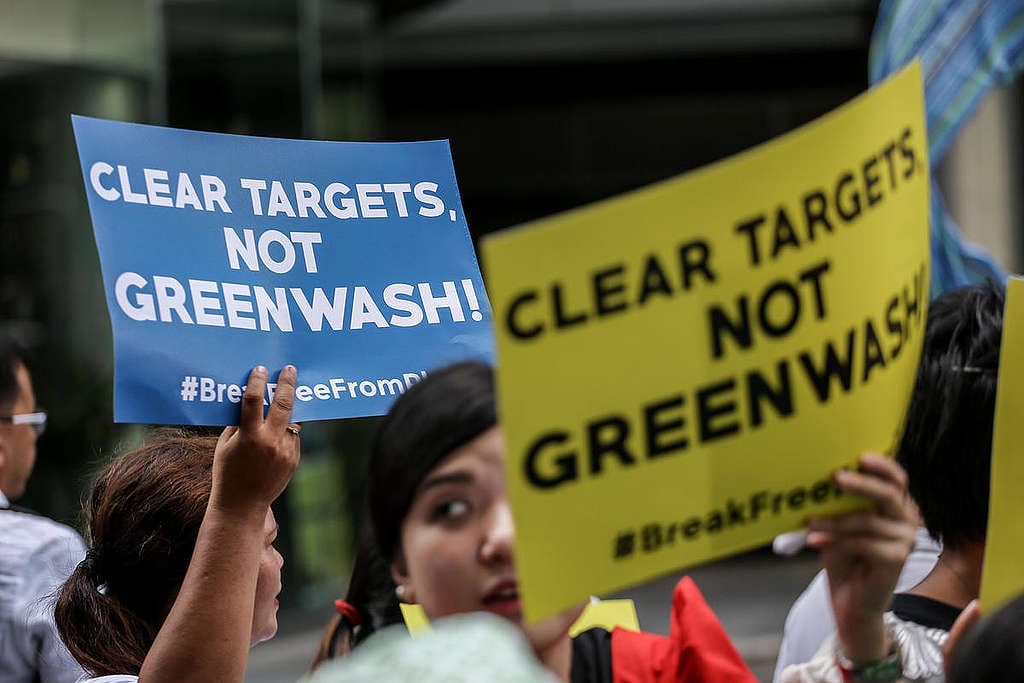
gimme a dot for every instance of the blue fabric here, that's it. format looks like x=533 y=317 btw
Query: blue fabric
x=966 y=47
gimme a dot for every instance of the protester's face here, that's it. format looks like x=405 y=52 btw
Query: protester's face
x=458 y=540
x=458 y=536
x=18 y=442
x=268 y=585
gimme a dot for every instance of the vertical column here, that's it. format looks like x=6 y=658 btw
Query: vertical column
x=983 y=176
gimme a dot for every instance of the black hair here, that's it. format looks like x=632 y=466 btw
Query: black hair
x=447 y=409
x=947 y=438
x=990 y=652
x=12 y=354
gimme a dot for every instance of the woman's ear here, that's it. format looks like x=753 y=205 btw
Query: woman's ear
x=400 y=575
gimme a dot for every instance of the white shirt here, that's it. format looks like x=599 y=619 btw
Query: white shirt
x=36 y=556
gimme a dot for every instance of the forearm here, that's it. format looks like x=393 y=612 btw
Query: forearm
x=206 y=635
x=205 y=638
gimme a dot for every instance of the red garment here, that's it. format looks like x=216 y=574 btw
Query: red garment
x=697 y=650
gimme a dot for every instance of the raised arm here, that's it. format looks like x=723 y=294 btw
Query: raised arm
x=205 y=638
x=862 y=553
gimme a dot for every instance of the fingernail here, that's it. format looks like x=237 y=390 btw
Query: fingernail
x=260 y=369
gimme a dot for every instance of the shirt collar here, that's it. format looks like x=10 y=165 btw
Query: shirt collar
x=4 y=503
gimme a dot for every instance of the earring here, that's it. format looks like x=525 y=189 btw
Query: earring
x=400 y=592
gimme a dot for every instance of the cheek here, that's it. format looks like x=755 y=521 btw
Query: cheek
x=443 y=573
x=27 y=447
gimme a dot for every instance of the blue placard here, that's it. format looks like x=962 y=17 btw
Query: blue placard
x=350 y=260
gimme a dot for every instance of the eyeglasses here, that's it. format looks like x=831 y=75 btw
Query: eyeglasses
x=36 y=419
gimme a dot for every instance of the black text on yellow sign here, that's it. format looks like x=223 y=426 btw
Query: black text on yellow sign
x=726 y=408
x=738 y=331
x=614 y=288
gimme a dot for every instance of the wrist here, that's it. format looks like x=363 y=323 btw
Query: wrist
x=863 y=640
x=871 y=664
x=244 y=513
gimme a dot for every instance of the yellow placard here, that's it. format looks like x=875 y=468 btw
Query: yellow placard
x=415 y=618
x=1001 y=576
x=682 y=367
x=606 y=614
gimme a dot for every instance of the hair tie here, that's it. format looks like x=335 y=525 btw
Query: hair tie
x=93 y=565
x=348 y=612
x=973 y=370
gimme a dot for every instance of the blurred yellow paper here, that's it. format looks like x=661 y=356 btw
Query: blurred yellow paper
x=606 y=614
x=681 y=369
x=1001 y=576
x=415 y=618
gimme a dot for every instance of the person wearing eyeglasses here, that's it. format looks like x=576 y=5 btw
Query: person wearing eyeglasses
x=36 y=553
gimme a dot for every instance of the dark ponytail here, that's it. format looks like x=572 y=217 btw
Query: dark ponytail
x=370 y=604
x=143 y=516
x=82 y=609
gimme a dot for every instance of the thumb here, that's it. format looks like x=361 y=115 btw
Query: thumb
x=967 y=619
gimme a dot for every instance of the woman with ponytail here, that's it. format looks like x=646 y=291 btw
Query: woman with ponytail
x=181 y=576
